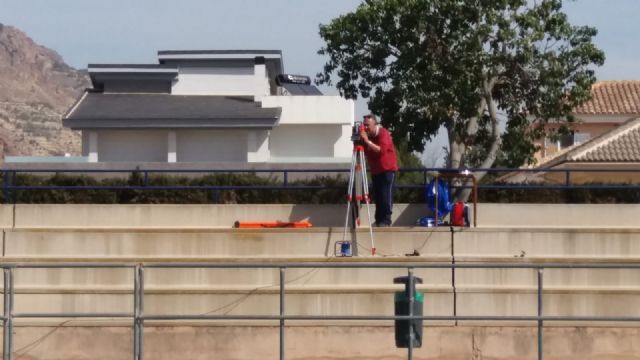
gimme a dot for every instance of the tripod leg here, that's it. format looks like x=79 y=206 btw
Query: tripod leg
x=349 y=195
x=365 y=193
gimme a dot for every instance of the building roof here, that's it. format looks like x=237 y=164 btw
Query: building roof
x=152 y=68
x=100 y=73
x=302 y=89
x=130 y=111
x=273 y=58
x=621 y=144
x=615 y=97
x=221 y=53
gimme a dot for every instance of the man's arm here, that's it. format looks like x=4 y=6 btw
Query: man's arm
x=368 y=143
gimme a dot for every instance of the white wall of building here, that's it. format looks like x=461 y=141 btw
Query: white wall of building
x=308 y=143
x=132 y=145
x=211 y=145
x=310 y=129
x=312 y=109
x=234 y=81
x=258 y=146
x=343 y=148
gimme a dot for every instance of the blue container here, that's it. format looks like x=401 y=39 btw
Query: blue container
x=345 y=248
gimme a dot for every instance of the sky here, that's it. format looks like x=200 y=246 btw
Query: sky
x=132 y=31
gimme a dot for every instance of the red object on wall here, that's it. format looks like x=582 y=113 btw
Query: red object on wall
x=272 y=224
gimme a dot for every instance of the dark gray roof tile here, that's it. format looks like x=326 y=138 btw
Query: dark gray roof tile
x=112 y=110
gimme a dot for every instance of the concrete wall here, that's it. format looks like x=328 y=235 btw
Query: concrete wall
x=331 y=291
x=337 y=342
x=311 y=128
x=217 y=244
x=210 y=145
x=234 y=81
x=258 y=146
x=6 y=216
x=51 y=216
x=558 y=215
x=312 y=110
x=307 y=142
x=132 y=234
x=212 y=216
x=132 y=145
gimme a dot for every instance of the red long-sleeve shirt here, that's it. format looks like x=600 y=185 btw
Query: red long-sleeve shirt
x=386 y=159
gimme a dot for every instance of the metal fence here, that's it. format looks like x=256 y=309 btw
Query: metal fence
x=10 y=184
x=138 y=317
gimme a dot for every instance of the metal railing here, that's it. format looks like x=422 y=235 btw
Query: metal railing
x=10 y=184
x=138 y=317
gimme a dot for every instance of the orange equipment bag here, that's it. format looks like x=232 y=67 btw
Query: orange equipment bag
x=272 y=224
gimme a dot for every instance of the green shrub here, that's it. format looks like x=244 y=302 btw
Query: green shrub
x=334 y=191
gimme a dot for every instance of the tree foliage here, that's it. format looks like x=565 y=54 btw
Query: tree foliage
x=493 y=73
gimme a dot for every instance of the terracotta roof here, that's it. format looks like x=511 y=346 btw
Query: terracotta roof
x=621 y=147
x=621 y=144
x=613 y=97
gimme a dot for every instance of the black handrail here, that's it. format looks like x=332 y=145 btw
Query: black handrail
x=10 y=186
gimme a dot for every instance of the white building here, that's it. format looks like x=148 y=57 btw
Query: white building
x=210 y=106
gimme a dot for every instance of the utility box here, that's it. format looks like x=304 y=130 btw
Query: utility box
x=404 y=328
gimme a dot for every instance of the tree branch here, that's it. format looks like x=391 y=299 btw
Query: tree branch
x=495 y=132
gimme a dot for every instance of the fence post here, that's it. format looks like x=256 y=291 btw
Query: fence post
x=138 y=312
x=282 y=312
x=7 y=335
x=410 y=322
x=540 y=312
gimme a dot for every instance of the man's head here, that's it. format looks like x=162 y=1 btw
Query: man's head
x=370 y=124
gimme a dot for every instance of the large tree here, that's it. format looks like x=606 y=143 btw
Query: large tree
x=465 y=65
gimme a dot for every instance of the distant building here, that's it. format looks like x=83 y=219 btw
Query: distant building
x=605 y=137
x=613 y=103
x=210 y=106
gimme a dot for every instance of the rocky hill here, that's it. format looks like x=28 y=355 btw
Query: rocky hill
x=36 y=89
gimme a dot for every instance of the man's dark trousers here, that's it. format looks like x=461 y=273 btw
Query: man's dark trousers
x=383 y=196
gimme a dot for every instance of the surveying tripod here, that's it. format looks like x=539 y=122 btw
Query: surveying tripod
x=358 y=191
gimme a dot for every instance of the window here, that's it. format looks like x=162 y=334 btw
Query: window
x=575 y=138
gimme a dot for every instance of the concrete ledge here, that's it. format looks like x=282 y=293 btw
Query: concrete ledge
x=229 y=280
x=6 y=216
x=168 y=245
x=559 y=215
x=531 y=243
x=223 y=216
x=315 y=304
x=331 y=342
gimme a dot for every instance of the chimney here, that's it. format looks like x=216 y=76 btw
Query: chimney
x=260 y=83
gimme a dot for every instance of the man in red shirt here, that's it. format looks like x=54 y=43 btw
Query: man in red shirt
x=381 y=158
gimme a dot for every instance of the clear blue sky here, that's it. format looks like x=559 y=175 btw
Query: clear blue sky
x=132 y=31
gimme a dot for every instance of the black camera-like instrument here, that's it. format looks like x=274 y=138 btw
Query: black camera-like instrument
x=355 y=132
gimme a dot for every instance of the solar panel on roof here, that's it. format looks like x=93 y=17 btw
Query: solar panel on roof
x=299 y=89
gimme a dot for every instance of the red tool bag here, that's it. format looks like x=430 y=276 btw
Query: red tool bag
x=458 y=214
